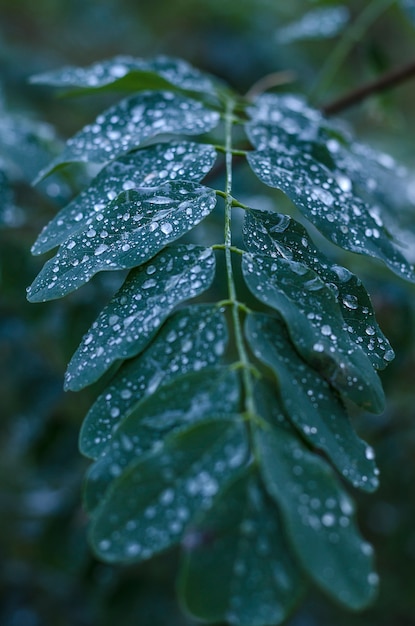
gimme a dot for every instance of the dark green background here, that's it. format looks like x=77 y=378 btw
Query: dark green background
x=47 y=574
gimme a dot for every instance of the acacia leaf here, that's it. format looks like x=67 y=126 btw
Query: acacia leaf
x=311 y=405
x=186 y=400
x=237 y=566
x=132 y=121
x=191 y=340
x=147 y=508
x=136 y=312
x=148 y=167
x=315 y=324
x=318 y=515
x=126 y=73
x=278 y=235
x=291 y=155
x=128 y=232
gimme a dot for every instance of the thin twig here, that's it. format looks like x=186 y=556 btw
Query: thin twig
x=352 y=35
x=391 y=79
x=270 y=80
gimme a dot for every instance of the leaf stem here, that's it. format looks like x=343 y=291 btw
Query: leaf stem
x=235 y=305
x=235 y=202
x=234 y=151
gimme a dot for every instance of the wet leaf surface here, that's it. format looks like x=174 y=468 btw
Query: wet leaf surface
x=278 y=235
x=133 y=316
x=147 y=508
x=128 y=73
x=311 y=404
x=134 y=120
x=148 y=167
x=190 y=341
x=291 y=155
x=315 y=324
x=237 y=566
x=128 y=232
x=318 y=515
x=180 y=403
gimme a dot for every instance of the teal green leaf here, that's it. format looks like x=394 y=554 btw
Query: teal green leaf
x=184 y=401
x=408 y=6
x=319 y=23
x=128 y=73
x=318 y=515
x=191 y=340
x=148 y=167
x=237 y=567
x=135 y=313
x=278 y=235
x=126 y=125
x=147 y=508
x=315 y=324
x=130 y=231
x=311 y=405
x=285 y=158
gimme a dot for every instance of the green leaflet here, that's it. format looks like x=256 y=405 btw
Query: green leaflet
x=128 y=232
x=319 y=23
x=317 y=513
x=178 y=404
x=148 y=167
x=284 y=158
x=129 y=74
x=126 y=125
x=310 y=403
x=279 y=235
x=237 y=567
x=191 y=340
x=133 y=316
x=147 y=508
x=185 y=446
x=315 y=325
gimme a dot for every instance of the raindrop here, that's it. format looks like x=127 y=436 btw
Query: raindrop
x=350 y=301
x=166 y=228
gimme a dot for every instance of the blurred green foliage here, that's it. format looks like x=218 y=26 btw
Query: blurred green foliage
x=47 y=574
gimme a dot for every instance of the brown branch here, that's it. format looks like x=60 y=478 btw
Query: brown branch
x=391 y=79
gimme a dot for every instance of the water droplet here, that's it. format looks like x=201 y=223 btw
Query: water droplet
x=370 y=453
x=350 y=301
x=101 y=249
x=166 y=228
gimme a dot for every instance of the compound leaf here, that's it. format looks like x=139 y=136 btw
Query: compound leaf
x=147 y=508
x=316 y=326
x=127 y=233
x=278 y=235
x=191 y=340
x=318 y=515
x=237 y=566
x=148 y=167
x=133 y=316
x=287 y=135
x=126 y=125
x=125 y=73
x=311 y=405
x=178 y=404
